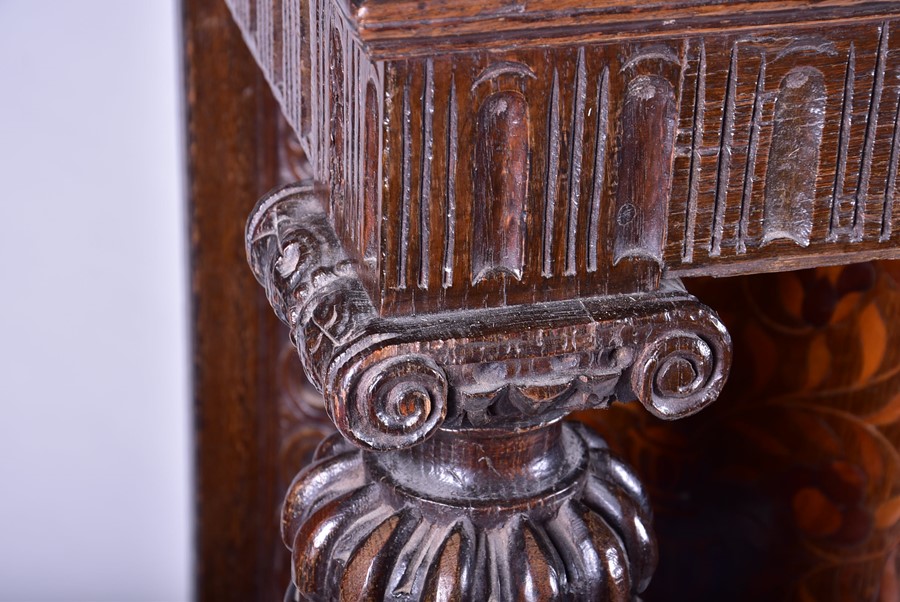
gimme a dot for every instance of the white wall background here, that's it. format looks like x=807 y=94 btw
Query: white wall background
x=94 y=410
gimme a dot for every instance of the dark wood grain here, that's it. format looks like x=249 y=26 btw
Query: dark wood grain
x=224 y=129
x=501 y=176
x=788 y=487
x=254 y=428
x=574 y=527
x=492 y=204
x=440 y=402
x=735 y=113
x=391 y=29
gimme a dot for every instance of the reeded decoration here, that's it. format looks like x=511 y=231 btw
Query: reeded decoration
x=588 y=155
x=387 y=382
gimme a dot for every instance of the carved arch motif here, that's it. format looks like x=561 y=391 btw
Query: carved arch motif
x=501 y=186
x=794 y=156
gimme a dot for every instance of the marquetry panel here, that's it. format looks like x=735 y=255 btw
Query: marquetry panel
x=788 y=487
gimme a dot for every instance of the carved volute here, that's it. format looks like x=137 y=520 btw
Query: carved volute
x=464 y=456
x=491 y=239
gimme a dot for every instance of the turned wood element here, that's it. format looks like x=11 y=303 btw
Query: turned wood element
x=463 y=517
x=390 y=383
x=505 y=195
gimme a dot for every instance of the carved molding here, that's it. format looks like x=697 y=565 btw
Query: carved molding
x=491 y=240
x=751 y=169
x=391 y=382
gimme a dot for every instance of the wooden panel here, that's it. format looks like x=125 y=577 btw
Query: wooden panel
x=764 y=150
x=791 y=157
x=777 y=150
x=233 y=331
x=392 y=28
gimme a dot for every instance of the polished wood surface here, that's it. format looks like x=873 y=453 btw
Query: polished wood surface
x=492 y=207
x=232 y=158
x=392 y=28
x=438 y=403
x=627 y=161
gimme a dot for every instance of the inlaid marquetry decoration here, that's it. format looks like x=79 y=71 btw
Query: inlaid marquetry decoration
x=729 y=152
x=788 y=488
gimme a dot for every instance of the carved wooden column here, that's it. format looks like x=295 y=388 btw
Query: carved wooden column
x=466 y=463
x=499 y=207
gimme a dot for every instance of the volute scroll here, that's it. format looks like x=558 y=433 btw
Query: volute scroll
x=497 y=209
x=465 y=457
x=377 y=399
x=392 y=382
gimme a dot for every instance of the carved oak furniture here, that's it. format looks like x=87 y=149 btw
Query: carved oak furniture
x=495 y=204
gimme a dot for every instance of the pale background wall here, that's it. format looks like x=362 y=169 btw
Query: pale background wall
x=94 y=410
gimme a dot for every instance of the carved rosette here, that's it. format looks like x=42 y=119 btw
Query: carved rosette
x=362 y=529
